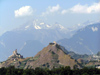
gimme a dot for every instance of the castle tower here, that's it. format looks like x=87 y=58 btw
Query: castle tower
x=54 y=42
x=15 y=52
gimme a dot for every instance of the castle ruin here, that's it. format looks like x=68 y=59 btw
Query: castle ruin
x=15 y=52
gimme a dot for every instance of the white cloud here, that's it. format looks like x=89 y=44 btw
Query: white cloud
x=79 y=8
x=54 y=8
x=51 y=9
x=24 y=11
x=95 y=8
x=94 y=29
x=64 y=11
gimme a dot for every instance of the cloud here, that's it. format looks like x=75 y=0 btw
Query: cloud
x=79 y=9
x=54 y=8
x=51 y=9
x=95 y=8
x=24 y=11
x=64 y=11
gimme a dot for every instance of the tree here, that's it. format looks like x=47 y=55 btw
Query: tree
x=75 y=67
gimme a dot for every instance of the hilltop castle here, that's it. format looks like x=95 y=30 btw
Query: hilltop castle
x=54 y=43
x=15 y=55
x=15 y=52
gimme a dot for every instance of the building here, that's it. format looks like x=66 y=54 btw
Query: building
x=95 y=58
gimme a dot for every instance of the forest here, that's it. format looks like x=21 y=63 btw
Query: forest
x=45 y=71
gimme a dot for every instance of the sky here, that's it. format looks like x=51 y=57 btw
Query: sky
x=14 y=13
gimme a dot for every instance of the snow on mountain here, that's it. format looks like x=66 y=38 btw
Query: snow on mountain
x=84 y=41
x=37 y=27
x=48 y=26
x=36 y=24
x=94 y=29
x=83 y=25
x=36 y=30
x=27 y=27
x=36 y=34
x=42 y=23
x=2 y=43
x=23 y=46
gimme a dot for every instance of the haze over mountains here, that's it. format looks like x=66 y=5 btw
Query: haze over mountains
x=85 y=41
x=34 y=36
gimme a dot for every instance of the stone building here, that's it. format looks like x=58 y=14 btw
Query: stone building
x=15 y=55
x=15 y=52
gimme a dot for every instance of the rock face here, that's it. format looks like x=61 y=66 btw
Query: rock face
x=51 y=56
x=12 y=60
x=0 y=65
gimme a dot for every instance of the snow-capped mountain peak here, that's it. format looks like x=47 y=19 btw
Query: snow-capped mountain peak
x=26 y=26
x=36 y=24
x=48 y=26
x=37 y=27
x=62 y=27
x=42 y=23
x=94 y=29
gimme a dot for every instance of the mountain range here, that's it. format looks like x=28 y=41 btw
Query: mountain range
x=84 y=41
x=29 y=36
x=35 y=35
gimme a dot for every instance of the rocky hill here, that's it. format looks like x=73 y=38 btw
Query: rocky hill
x=51 y=56
x=12 y=60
